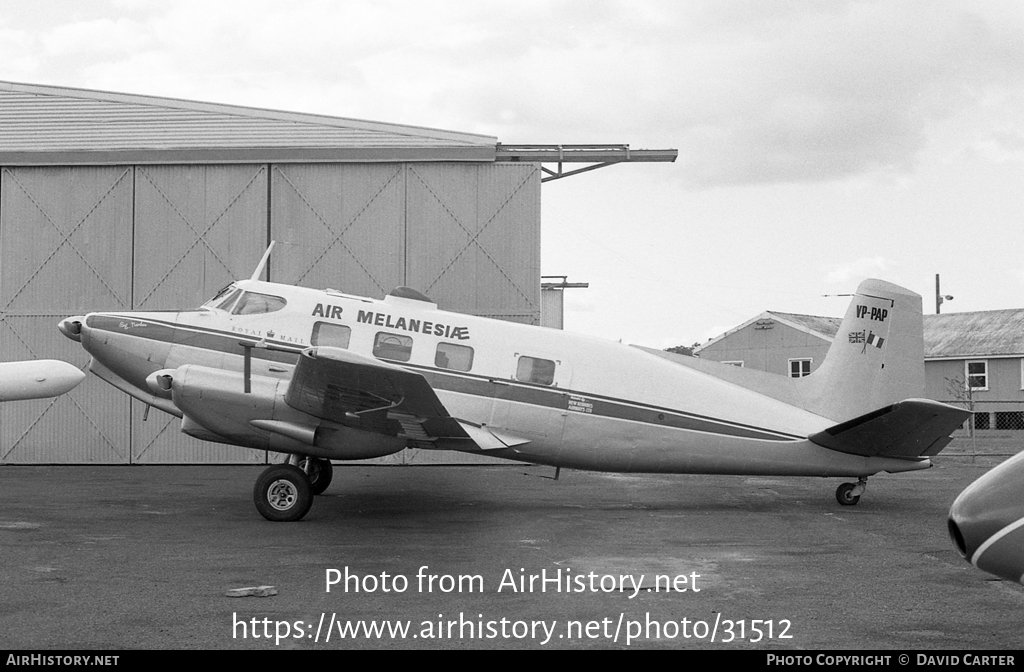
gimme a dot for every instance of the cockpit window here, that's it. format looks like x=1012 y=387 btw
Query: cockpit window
x=223 y=292
x=252 y=303
x=228 y=302
x=217 y=300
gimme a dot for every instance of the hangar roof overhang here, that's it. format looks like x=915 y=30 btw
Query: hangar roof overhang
x=51 y=125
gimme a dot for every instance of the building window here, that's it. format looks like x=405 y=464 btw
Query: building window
x=981 y=421
x=392 y=346
x=331 y=335
x=798 y=368
x=534 y=370
x=977 y=374
x=452 y=356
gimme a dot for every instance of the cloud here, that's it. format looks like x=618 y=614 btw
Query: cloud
x=717 y=330
x=95 y=37
x=859 y=269
x=1001 y=145
x=824 y=96
x=749 y=92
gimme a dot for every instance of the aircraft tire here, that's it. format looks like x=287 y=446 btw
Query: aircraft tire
x=282 y=493
x=320 y=474
x=845 y=496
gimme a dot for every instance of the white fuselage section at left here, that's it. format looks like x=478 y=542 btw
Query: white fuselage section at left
x=37 y=379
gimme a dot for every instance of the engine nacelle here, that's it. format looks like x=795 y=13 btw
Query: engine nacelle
x=217 y=408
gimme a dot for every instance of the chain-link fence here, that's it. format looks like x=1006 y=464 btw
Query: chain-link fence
x=993 y=433
x=993 y=416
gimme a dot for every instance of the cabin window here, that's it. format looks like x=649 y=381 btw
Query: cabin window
x=252 y=303
x=331 y=335
x=798 y=368
x=534 y=370
x=392 y=346
x=977 y=374
x=452 y=356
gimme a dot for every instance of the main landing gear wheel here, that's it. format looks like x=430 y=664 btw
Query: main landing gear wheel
x=319 y=472
x=282 y=493
x=849 y=494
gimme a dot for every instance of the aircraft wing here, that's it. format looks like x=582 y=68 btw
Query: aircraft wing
x=367 y=393
x=907 y=429
x=332 y=382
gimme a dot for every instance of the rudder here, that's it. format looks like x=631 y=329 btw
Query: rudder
x=876 y=359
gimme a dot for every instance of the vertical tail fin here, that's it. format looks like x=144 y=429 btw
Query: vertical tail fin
x=877 y=357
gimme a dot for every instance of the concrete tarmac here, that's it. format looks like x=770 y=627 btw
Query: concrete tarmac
x=128 y=557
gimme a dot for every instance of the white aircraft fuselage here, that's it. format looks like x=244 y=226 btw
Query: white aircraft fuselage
x=330 y=376
x=609 y=407
x=986 y=521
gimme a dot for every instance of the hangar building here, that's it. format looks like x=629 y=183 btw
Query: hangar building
x=112 y=201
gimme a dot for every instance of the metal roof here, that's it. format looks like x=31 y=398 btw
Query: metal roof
x=824 y=328
x=57 y=125
x=987 y=333
x=46 y=125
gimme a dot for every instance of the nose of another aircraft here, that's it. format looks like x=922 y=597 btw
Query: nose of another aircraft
x=986 y=522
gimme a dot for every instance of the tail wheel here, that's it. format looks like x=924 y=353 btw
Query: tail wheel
x=319 y=472
x=845 y=496
x=282 y=493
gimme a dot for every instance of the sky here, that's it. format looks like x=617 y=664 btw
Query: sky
x=820 y=142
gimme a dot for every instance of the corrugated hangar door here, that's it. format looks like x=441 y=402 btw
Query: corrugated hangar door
x=197 y=228
x=65 y=248
x=339 y=226
x=474 y=238
x=468 y=235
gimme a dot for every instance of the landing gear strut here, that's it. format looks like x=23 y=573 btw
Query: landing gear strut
x=319 y=472
x=849 y=494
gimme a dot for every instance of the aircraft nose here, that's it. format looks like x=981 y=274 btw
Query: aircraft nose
x=72 y=327
x=986 y=522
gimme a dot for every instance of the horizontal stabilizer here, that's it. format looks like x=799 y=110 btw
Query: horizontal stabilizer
x=907 y=429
